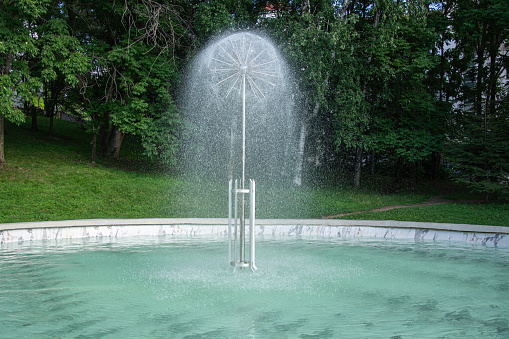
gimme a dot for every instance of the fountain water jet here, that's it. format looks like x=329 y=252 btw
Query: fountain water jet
x=240 y=80
x=213 y=102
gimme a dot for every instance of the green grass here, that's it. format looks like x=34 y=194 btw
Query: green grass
x=329 y=201
x=463 y=213
x=52 y=179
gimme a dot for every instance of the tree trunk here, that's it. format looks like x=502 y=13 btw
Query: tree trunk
x=413 y=176
x=33 y=113
x=399 y=169
x=297 y=180
x=436 y=158
x=480 y=73
x=6 y=69
x=94 y=145
x=2 y=129
x=120 y=137
x=50 y=133
x=31 y=110
x=341 y=165
x=372 y=163
x=114 y=142
x=300 y=155
x=49 y=105
x=51 y=100
x=494 y=76
x=52 y=110
x=358 y=166
x=344 y=9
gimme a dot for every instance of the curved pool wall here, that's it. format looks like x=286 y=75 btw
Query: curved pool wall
x=491 y=236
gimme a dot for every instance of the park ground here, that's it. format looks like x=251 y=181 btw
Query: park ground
x=53 y=179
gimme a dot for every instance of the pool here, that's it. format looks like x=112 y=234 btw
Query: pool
x=305 y=286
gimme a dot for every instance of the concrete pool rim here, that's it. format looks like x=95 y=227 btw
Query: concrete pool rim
x=496 y=236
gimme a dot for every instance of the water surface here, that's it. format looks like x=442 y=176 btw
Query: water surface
x=180 y=287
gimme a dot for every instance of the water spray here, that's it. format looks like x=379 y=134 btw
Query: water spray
x=240 y=66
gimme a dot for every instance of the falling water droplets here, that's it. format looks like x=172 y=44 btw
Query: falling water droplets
x=213 y=111
x=244 y=54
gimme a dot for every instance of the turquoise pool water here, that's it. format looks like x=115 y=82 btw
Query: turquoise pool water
x=153 y=287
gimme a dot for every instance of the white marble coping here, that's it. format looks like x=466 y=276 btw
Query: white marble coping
x=224 y=221
x=495 y=236
x=262 y=222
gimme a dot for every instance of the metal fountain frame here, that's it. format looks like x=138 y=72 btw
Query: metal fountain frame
x=247 y=69
x=238 y=241
x=241 y=262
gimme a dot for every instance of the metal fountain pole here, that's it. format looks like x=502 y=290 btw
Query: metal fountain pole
x=243 y=69
x=238 y=240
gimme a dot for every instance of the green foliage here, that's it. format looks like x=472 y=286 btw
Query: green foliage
x=481 y=158
x=16 y=45
x=60 y=52
x=161 y=139
x=134 y=51
x=478 y=143
x=215 y=17
x=380 y=77
x=7 y=105
x=366 y=69
x=409 y=123
x=212 y=18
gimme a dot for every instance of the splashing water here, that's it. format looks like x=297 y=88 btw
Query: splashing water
x=213 y=100
x=244 y=54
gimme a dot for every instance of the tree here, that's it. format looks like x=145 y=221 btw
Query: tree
x=361 y=79
x=382 y=104
x=307 y=33
x=212 y=18
x=443 y=79
x=478 y=143
x=16 y=45
x=416 y=128
x=61 y=57
x=135 y=49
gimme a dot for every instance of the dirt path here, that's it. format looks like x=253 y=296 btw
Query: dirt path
x=438 y=200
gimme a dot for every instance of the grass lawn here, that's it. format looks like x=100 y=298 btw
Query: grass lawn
x=52 y=179
x=456 y=213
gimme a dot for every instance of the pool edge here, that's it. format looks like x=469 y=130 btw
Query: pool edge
x=497 y=236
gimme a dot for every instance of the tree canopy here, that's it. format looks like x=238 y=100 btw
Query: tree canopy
x=398 y=88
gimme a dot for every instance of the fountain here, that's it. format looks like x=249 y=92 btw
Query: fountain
x=159 y=278
x=243 y=92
